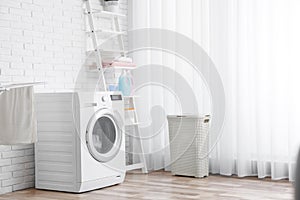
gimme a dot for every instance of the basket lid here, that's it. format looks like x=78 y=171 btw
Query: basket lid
x=188 y=116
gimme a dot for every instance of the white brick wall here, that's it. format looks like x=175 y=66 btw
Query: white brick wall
x=16 y=167
x=40 y=40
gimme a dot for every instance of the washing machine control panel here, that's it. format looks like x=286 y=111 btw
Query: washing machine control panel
x=116 y=97
x=108 y=99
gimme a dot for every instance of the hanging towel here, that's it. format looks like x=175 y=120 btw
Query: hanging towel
x=17 y=117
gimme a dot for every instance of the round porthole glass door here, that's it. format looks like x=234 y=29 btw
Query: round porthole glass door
x=103 y=137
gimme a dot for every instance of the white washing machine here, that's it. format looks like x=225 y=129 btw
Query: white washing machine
x=81 y=141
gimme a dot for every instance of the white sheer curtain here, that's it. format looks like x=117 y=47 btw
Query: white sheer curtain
x=255 y=47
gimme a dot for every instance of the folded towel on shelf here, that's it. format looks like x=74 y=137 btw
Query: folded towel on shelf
x=17 y=116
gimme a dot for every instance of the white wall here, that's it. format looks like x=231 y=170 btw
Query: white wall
x=40 y=40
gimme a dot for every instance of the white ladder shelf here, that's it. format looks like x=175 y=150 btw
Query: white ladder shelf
x=97 y=49
x=93 y=32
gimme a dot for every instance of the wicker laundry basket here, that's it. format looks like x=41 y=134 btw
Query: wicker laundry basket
x=189 y=145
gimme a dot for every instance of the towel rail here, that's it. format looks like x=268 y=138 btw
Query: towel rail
x=4 y=88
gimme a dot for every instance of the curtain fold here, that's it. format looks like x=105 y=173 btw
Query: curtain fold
x=255 y=48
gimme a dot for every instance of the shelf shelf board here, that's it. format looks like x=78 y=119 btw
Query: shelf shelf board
x=133 y=124
x=134 y=166
x=108 y=32
x=107 y=51
x=106 y=69
x=112 y=51
x=129 y=109
x=133 y=96
x=116 y=67
x=106 y=13
x=112 y=14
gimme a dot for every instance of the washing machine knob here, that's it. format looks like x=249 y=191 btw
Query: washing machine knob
x=104 y=98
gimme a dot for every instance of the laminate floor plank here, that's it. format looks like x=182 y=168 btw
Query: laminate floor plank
x=163 y=186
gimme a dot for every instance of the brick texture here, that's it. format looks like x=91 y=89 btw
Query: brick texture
x=40 y=40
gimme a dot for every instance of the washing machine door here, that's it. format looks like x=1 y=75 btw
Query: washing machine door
x=104 y=135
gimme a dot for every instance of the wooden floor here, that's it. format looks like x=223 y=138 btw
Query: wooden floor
x=162 y=185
